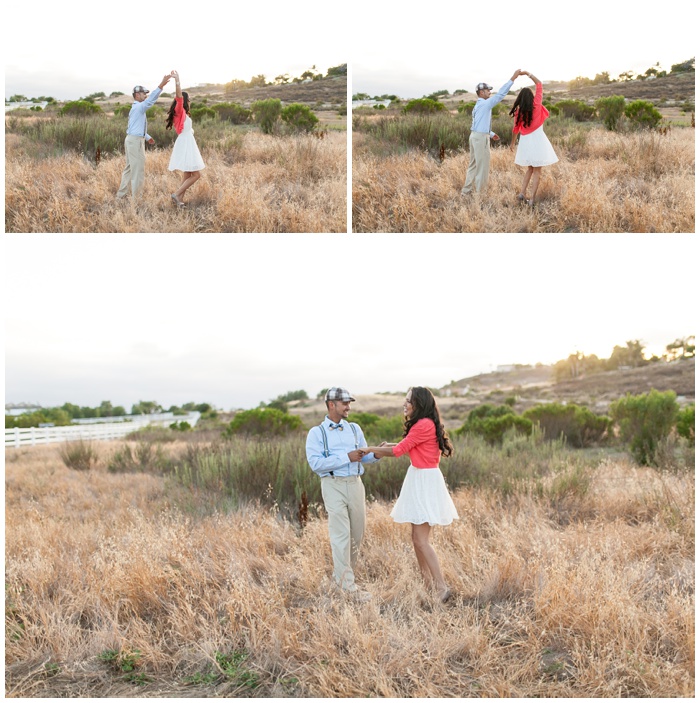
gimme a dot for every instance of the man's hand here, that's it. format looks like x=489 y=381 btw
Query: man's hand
x=516 y=74
x=355 y=455
x=496 y=138
x=166 y=78
x=151 y=141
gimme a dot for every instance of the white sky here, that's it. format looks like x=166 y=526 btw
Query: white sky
x=238 y=319
x=80 y=47
x=446 y=46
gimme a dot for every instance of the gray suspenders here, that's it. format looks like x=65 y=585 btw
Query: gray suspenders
x=326 y=451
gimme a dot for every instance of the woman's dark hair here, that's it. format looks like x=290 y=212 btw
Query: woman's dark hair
x=522 y=107
x=171 y=111
x=423 y=405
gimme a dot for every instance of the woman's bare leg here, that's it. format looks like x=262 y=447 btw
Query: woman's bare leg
x=189 y=179
x=535 y=181
x=427 y=559
x=526 y=181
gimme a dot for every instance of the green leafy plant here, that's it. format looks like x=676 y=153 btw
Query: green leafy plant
x=263 y=421
x=643 y=114
x=644 y=420
x=423 y=106
x=577 y=425
x=610 y=110
x=80 y=108
x=299 y=117
x=266 y=113
x=233 y=667
x=685 y=425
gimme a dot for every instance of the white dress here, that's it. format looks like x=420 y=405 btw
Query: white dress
x=424 y=498
x=535 y=149
x=186 y=156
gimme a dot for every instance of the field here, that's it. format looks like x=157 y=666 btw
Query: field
x=62 y=174
x=603 y=182
x=573 y=577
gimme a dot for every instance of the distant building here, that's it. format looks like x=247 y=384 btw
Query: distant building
x=15 y=409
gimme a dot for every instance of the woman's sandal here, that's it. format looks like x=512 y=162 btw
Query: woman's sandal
x=177 y=202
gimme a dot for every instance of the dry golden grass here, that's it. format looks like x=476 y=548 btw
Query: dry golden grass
x=252 y=183
x=605 y=183
x=596 y=602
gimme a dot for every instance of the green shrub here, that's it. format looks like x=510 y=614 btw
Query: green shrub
x=266 y=113
x=643 y=114
x=199 y=113
x=80 y=455
x=267 y=422
x=80 y=108
x=685 y=425
x=576 y=109
x=423 y=106
x=299 y=117
x=610 y=110
x=644 y=420
x=493 y=422
x=122 y=110
x=466 y=108
x=577 y=425
x=232 y=112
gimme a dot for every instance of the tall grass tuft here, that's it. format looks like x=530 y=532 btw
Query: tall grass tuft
x=80 y=455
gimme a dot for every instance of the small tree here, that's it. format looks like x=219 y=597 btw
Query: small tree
x=643 y=114
x=299 y=117
x=263 y=421
x=610 y=110
x=685 y=426
x=266 y=113
x=232 y=112
x=644 y=420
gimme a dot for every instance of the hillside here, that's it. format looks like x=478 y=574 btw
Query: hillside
x=674 y=88
x=330 y=91
x=530 y=386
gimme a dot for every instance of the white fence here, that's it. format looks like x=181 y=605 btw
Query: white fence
x=25 y=436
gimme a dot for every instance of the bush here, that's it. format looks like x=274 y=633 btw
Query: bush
x=122 y=110
x=493 y=422
x=685 y=425
x=466 y=108
x=199 y=113
x=645 y=420
x=267 y=422
x=423 y=106
x=643 y=114
x=80 y=108
x=577 y=425
x=299 y=117
x=266 y=113
x=80 y=455
x=576 y=109
x=610 y=110
x=232 y=112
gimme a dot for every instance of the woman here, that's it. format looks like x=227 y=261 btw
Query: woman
x=185 y=156
x=534 y=149
x=424 y=500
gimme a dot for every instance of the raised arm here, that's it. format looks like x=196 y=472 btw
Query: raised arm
x=178 y=90
x=534 y=79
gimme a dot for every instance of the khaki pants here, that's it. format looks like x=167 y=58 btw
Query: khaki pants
x=135 y=170
x=479 y=160
x=344 y=499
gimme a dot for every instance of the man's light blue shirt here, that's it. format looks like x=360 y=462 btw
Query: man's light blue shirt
x=341 y=441
x=137 y=115
x=481 y=115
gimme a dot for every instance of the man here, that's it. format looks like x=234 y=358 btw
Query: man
x=481 y=134
x=333 y=452
x=136 y=138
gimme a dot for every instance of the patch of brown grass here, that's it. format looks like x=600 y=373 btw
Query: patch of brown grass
x=602 y=606
x=603 y=182
x=252 y=183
